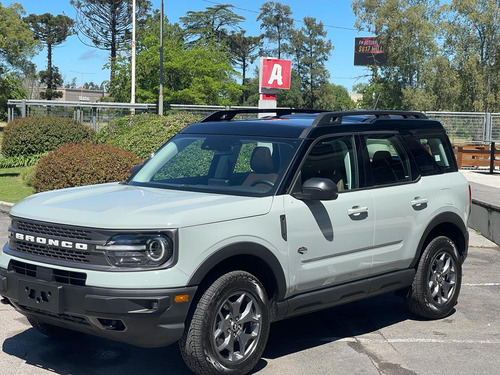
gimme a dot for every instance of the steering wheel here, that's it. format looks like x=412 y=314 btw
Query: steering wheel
x=264 y=182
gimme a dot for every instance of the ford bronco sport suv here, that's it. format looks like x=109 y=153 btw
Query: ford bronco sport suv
x=234 y=224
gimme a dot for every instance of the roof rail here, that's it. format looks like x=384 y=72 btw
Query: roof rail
x=228 y=115
x=330 y=118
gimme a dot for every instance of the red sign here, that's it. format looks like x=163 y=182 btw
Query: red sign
x=275 y=74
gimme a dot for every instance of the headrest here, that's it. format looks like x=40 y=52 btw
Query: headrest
x=262 y=161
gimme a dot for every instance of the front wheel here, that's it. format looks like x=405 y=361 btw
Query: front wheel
x=229 y=327
x=437 y=282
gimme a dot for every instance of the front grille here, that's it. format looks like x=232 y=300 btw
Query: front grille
x=52 y=252
x=55 y=231
x=55 y=275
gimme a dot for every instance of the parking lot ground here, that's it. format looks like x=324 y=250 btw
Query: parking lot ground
x=374 y=336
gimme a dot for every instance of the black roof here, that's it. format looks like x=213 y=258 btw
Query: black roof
x=292 y=123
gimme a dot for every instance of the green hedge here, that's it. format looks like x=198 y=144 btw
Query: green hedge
x=145 y=133
x=37 y=135
x=82 y=164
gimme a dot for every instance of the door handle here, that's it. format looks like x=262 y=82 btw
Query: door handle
x=419 y=203
x=357 y=211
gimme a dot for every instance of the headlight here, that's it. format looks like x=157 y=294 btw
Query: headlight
x=140 y=250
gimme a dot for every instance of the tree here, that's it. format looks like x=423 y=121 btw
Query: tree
x=473 y=40
x=244 y=51
x=200 y=74
x=277 y=23
x=17 y=45
x=52 y=79
x=311 y=50
x=334 y=98
x=51 y=31
x=107 y=24
x=211 y=25
x=408 y=32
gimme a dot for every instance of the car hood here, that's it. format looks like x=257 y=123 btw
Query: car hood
x=117 y=206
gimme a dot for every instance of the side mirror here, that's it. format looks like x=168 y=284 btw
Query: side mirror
x=318 y=189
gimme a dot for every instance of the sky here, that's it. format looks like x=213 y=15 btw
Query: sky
x=77 y=60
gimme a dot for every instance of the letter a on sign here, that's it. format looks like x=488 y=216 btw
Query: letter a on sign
x=275 y=74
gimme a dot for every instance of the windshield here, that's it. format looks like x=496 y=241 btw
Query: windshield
x=219 y=164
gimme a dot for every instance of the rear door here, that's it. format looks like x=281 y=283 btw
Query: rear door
x=403 y=202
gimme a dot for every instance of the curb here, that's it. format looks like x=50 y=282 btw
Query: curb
x=5 y=206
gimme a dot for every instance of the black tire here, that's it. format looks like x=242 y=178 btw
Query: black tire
x=436 y=286
x=53 y=331
x=231 y=315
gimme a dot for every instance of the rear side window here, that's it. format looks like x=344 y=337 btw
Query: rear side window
x=389 y=163
x=432 y=154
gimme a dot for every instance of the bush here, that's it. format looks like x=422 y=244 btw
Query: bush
x=145 y=133
x=82 y=164
x=37 y=135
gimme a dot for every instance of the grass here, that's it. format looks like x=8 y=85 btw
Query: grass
x=12 y=187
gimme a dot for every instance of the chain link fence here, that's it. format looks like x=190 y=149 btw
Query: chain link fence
x=461 y=126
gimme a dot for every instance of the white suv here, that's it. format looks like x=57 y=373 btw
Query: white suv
x=234 y=224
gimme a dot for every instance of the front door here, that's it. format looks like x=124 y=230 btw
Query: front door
x=330 y=242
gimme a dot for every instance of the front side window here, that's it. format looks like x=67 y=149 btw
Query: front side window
x=389 y=163
x=219 y=164
x=335 y=159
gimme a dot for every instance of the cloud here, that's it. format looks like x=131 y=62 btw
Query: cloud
x=89 y=55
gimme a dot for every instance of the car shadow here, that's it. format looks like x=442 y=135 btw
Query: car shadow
x=94 y=355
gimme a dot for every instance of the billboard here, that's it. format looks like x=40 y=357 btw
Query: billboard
x=368 y=51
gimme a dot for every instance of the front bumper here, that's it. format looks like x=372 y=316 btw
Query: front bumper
x=141 y=317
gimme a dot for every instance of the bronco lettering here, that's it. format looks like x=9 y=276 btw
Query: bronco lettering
x=49 y=241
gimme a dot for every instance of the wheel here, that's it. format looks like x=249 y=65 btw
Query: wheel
x=229 y=328
x=263 y=182
x=435 y=288
x=53 y=331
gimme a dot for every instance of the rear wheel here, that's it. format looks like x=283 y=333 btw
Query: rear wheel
x=229 y=327
x=437 y=282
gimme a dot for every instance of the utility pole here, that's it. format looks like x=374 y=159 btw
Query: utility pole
x=160 y=94
x=132 y=94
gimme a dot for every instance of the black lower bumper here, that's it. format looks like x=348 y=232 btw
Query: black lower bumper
x=141 y=317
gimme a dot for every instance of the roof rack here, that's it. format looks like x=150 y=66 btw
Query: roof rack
x=323 y=118
x=228 y=115
x=330 y=118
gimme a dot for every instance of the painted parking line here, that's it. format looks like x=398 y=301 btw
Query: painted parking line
x=481 y=284
x=409 y=341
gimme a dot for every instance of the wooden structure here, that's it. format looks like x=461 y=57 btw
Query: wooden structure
x=477 y=155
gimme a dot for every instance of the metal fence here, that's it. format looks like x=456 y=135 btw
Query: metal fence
x=95 y=115
x=469 y=126
x=461 y=126
x=100 y=114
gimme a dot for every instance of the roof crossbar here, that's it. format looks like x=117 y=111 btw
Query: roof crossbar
x=228 y=115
